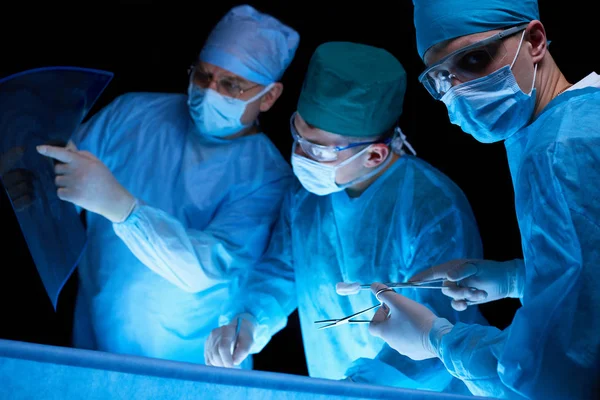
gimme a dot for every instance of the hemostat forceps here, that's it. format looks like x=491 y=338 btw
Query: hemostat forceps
x=348 y=320
x=431 y=284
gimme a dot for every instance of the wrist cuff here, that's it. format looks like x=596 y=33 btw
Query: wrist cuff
x=440 y=327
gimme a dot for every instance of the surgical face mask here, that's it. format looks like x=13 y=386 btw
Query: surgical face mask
x=217 y=115
x=491 y=108
x=319 y=178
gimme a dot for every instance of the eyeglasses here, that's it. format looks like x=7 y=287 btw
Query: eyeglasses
x=324 y=153
x=466 y=64
x=226 y=85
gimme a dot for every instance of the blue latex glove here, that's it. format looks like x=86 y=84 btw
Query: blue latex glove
x=406 y=325
x=478 y=281
x=83 y=180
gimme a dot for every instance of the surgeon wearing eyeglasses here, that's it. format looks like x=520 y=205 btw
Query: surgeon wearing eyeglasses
x=364 y=209
x=182 y=192
x=490 y=65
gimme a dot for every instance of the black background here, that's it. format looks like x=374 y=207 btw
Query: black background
x=149 y=46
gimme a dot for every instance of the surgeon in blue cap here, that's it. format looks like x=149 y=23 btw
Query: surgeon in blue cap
x=364 y=210
x=489 y=62
x=181 y=193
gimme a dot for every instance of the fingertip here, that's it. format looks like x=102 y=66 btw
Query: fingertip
x=237 y=360
x=71 y=146
x=477 y=295
x=459 y=305
x=468 y=269
x=62 y=193
x=453 y=275
x=239 y=355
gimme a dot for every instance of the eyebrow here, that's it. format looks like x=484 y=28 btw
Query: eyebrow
x=237 y=79
x=319 y=142
x=462 y=43
x=310 y=126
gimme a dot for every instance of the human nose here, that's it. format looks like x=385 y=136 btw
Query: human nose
x=454 y=80
x=213 y=83
x=298 y=150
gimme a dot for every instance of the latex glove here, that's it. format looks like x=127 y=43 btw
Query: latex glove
x=225 y=348
x=406 y=325
x=18 y=182
x=478 y=281
x=85 y=181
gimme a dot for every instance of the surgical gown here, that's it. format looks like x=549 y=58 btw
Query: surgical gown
x=551 y=350
x=155 y=285
x=410 y=218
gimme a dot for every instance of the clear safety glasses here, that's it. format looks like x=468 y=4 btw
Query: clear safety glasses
x=466 y=64
x=324 y=153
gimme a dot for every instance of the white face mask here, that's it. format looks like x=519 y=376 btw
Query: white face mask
x=319 y=178
x=217 y=115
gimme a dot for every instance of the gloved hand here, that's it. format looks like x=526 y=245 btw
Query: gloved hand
x=18 y=182
x=478 y=281
x=406 y=325
x=85 y=181
x=226 y=349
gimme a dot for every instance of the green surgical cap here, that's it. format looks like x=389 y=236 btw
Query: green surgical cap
x=439 y=20
x=352 y=90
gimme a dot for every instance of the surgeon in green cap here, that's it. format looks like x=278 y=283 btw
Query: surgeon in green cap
x=488 y=61
x=363 y=211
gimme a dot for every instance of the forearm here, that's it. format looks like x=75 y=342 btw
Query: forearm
x=471 y=353
x=268 y=297
x=191 y=260
x=391 y=368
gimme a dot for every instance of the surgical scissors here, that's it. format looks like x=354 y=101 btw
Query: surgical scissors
x=348 y=320
x=355 y=288
x=348 y=289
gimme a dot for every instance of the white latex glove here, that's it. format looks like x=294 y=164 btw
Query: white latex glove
x=223 y=349
x=405 y=324
x=85 y=181
x=19 y=181
x=478 y=281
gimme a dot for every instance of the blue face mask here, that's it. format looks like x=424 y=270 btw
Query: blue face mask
x=217 y=115
x=491 y=108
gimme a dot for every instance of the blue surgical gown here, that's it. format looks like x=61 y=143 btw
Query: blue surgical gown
x=155 y=285
x=410 y=218
x=551 y=350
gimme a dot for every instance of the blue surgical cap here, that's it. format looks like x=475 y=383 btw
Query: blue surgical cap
x=251 y=44
x=440 y=20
